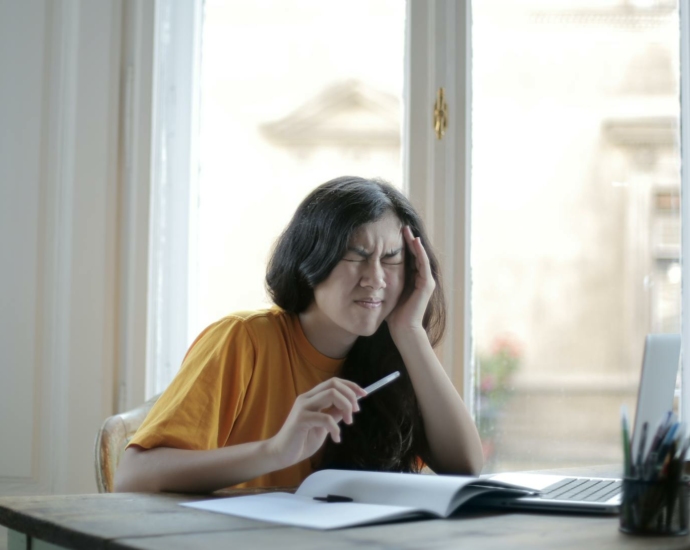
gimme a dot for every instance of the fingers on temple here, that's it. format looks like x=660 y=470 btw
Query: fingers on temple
x=419 y=252
x=410 y=240
x=423 y=265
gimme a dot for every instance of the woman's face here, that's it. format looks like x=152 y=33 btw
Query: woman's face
x=366 y=284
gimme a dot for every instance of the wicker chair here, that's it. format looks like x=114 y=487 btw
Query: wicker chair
x=112 y=439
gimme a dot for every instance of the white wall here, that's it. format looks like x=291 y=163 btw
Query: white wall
x=66 y=216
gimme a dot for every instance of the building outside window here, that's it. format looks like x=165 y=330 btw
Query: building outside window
x=576 y=229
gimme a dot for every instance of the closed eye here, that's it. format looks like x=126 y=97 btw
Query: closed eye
x=356 y=255
x=394 y=257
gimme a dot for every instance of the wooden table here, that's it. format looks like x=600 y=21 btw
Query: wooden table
x=149 y=522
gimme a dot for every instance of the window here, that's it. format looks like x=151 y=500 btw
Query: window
x=576 y=231
x=293 y=94
x=574 y=223
x=256 y=104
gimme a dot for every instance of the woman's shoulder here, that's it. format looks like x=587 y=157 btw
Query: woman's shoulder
x=256 y=321
x=244 y=328
x=255 y=316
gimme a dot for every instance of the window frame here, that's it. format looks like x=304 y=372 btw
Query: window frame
x=174 y=169
x=684 y=16
x=437 y=171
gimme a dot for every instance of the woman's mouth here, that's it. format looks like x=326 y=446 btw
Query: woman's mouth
x=369 y=304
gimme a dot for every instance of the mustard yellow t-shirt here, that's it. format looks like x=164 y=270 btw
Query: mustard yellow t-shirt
x=237 y=384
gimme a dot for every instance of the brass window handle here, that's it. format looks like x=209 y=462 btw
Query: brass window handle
x=440 y=114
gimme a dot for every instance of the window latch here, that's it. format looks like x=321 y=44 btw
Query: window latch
x=440 y=114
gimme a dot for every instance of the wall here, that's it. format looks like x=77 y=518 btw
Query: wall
x=62 y=219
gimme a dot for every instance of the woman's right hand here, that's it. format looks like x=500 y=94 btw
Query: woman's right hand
x=314 y=415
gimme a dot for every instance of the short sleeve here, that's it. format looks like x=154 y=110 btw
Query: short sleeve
x=199 y=408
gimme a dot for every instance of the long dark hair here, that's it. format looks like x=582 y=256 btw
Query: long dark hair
x=388 y=432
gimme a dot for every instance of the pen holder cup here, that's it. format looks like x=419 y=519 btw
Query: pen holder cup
x=657 y=507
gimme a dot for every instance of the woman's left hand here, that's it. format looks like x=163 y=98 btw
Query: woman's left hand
x=409 y=311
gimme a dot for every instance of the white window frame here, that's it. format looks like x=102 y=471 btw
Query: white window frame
x=177 y=62
x=685 y=203
x=437 y=172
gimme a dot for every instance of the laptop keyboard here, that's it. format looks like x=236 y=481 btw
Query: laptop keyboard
x=587 y=490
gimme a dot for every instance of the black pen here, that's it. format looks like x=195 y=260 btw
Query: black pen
x=650 y=461
x=333 y=498
x=684 y=450
x=640 y=451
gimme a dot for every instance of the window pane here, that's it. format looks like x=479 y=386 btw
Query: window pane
x=576 y=228
x=293 y=94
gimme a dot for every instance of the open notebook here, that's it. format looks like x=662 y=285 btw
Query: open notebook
x=333 y=499
x=600 y=495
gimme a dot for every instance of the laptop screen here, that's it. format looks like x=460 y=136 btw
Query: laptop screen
x=657 y=382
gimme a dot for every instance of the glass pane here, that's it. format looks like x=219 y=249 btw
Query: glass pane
x=576 y=228
x=293 y=94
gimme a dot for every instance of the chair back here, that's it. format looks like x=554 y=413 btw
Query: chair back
x=111 y=440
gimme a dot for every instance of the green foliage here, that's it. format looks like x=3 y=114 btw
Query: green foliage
x=495 y=370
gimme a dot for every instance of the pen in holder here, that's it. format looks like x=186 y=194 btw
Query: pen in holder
x=658 y=507
x=655 y=492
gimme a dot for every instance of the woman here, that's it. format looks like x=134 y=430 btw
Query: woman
x=357 y=296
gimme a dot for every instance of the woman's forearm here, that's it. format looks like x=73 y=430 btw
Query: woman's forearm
x=185 y=471
x=314 y=416
x=452 y=435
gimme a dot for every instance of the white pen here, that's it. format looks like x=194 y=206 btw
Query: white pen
x=385 y=380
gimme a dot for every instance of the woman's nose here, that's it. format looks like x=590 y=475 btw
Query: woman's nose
x=374 y=275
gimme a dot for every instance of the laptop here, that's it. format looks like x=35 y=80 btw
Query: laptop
x=602 y=495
